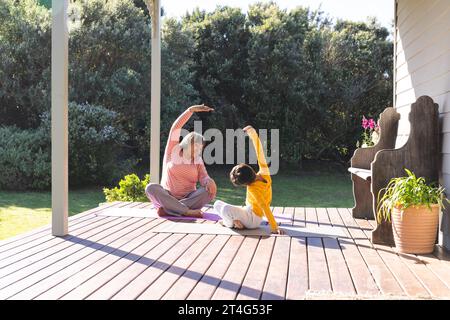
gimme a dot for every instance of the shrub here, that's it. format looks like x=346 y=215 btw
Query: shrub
x=25 y=49
x=131 y=188
x=94 y=144
x=24 y=159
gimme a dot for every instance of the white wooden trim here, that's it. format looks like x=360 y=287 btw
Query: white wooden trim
x=155 y=91
x=394 y=72
x=59 y=117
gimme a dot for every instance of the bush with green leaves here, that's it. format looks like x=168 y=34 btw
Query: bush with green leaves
x=25 y=48
x=293 y=70
x=95 y=143
x=24 y=159
x=131 y=188
x=110 y=65
x=405 y=192
x=95 y=151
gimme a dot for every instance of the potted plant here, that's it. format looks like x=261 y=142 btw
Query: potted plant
x=414 y=207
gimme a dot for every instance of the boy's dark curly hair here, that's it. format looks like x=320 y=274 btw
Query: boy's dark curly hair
x=242 y=175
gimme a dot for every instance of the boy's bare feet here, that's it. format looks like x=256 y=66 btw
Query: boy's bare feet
x=197 y=213
x=161 y=212
x=238 y=224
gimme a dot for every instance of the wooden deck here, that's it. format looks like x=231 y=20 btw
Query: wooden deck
x=121 y=258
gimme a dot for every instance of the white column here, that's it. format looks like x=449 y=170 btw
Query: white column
x=59 y=114
x=155 y=91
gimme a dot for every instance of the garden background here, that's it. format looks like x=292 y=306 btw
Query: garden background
x=300 y=71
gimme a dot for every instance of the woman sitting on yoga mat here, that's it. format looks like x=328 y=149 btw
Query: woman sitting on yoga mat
x=259 y=193
x=183 y=167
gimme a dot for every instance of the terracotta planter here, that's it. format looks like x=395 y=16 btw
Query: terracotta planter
x=415 y=228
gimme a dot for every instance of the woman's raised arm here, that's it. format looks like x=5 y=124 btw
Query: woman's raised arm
x=175 y=130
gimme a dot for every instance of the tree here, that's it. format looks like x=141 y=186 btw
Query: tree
x=25 y=38
x=220 y=53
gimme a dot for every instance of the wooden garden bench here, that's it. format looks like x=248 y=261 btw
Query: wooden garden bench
x=373 y=167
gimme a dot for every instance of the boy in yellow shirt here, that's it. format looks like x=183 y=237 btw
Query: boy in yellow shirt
x=259 y=193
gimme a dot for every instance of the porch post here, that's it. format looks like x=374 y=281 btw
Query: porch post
x=155 y=91
x=59 y=117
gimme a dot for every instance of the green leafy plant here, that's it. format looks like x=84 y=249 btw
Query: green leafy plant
x=405 y=192
x=25 y=161
x=131 y=188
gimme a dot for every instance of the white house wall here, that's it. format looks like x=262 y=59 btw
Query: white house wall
x=422 y=67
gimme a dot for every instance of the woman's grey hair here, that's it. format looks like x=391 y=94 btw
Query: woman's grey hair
x=191 y=136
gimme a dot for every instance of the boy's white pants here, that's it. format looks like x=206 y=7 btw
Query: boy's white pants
x=228 y=213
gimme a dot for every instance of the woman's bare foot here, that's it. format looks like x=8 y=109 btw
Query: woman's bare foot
x=197 y=213
x=238 y=224
x=161 y=212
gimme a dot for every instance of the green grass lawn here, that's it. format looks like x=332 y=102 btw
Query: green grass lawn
x=23 y=211
x=291 y=189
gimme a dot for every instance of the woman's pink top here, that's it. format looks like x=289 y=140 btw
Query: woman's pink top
x=178 y=176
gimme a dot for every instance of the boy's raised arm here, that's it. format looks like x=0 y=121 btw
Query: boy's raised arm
x=262 y=163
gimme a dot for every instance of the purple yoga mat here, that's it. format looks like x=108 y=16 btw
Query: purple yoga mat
x=207 y=215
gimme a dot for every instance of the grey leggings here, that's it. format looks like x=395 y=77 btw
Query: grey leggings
x=161 y=198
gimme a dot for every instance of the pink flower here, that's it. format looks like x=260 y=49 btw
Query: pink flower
x=371 y=124
x=365 y=123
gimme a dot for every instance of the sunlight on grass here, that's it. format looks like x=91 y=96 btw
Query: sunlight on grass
x=23 y=211
x=15 y=220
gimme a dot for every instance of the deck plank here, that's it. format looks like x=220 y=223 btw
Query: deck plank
x=276 y=280
x=161 y=285
x=409 y=282
x=165 y=241
x=183 y=286
x=232 y=280
x=34 y=254
x=427 y=277
x=253 y=283
x=38 y=261
x=299 y=217
x=341 y=281
x=48 y=240
x=259 y=282
x=311 y=217
x=44 y=239
x=139 y=284
x=49 y=265
x=282 y=216
x=438 y=282
x=362 y=279
x=383 y=276
x=40 y=232
x=105 y=266
x=84 y=259
x=298 y=280
x=319 y=277
x=205 y=288
x=122 y=258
